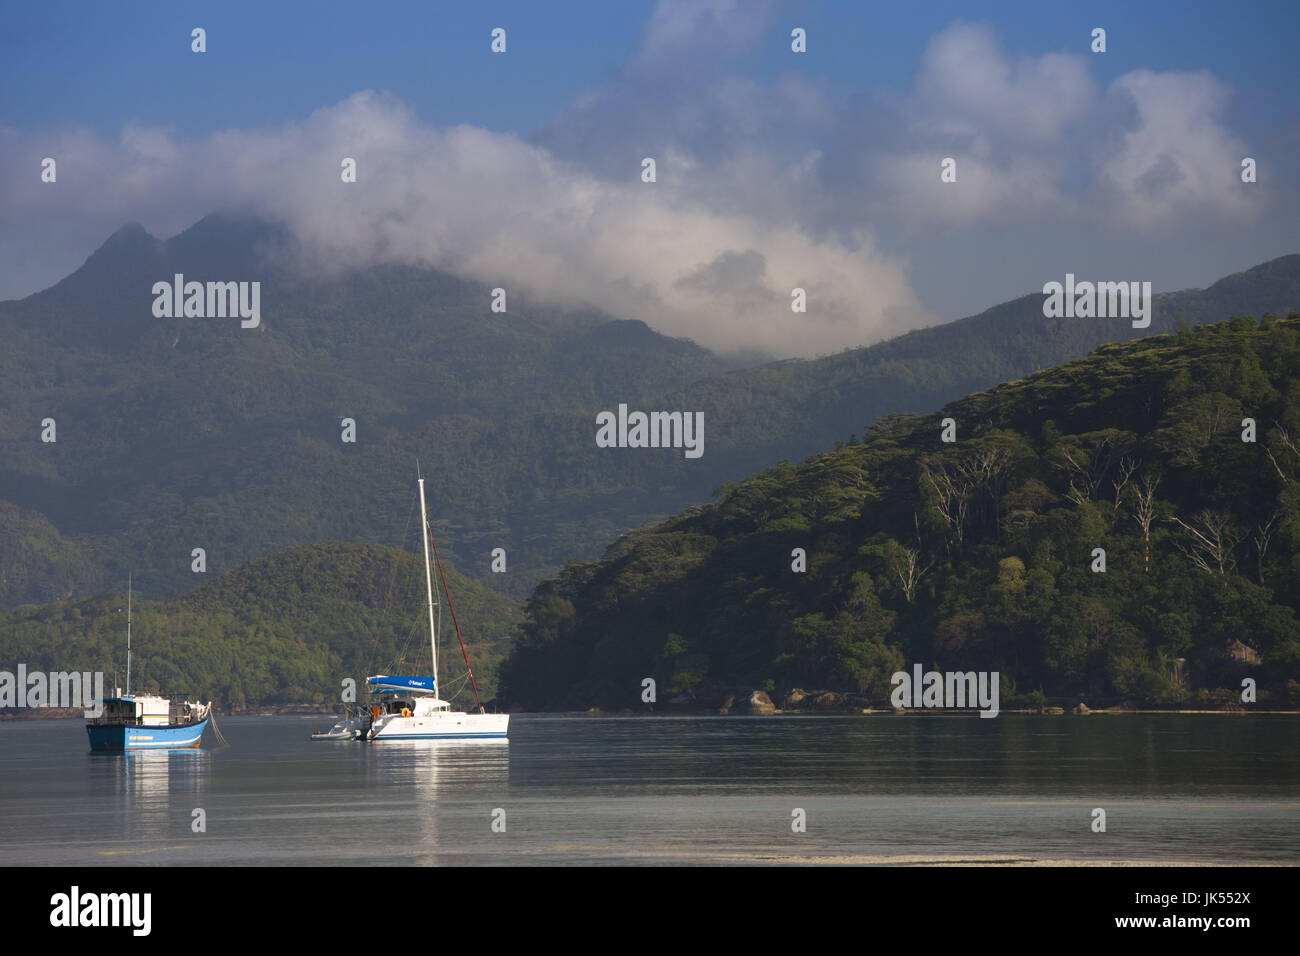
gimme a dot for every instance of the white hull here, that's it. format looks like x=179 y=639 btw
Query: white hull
x=440 y=725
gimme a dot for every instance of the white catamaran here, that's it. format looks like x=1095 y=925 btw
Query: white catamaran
x=409 y=708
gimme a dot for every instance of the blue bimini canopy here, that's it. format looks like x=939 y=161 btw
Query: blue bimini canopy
x=418 y=685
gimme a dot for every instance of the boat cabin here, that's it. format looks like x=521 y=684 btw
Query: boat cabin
x=144 y=711
x=147 y=711
x=410 y=705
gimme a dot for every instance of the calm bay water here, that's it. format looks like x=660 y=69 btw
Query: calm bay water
x=590 y=790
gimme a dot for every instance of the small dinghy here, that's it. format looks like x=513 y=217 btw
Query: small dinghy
x=351 y=726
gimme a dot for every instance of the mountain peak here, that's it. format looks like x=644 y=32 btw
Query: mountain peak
x=130 y=232
x=123 y=253
x=130 y=238
x=218 y=246
x=227 y=230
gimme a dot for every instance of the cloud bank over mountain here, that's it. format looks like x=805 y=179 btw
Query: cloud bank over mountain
x=763 y=185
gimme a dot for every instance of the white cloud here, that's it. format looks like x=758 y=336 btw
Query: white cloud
x=1036 y=139
x=1178 y=159
x=489 y=206
x=680 y=29
x=763 y=185
x=966 y=83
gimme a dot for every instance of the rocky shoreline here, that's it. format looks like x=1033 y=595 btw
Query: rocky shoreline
x=754 y=702
x=742 y=703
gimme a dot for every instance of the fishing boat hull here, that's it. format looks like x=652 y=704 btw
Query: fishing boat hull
x=120 y=738
x=440 y=725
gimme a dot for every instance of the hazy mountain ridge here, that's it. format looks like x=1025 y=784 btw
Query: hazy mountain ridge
x=810 y=404
x=176 y=434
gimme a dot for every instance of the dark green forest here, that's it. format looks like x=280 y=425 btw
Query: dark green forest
x=176 y=434
x=281 y=630
x=980 y=553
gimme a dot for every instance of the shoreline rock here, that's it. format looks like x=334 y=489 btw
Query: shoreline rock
x=757 y=703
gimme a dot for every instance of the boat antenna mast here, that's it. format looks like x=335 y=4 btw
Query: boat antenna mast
x=428 y=581
x=128 y=634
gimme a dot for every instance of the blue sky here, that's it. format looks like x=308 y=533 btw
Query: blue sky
x=102 y=65
x=774 y=167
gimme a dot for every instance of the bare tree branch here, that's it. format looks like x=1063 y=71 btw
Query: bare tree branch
x=1144 y=511
x=1263 y=534
x=1212 y=538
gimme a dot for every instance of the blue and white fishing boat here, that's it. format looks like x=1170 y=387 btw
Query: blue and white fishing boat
x=145 y=722
x=408 y=707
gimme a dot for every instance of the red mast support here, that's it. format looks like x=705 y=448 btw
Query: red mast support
x=463 y=654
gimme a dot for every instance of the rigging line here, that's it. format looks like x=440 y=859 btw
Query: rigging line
x=392 y=590
x=400 y=660
x=212 y=716
x=459 y=689
x=477 y=703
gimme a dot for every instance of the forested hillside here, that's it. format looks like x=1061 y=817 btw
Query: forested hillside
x=175 y=434
x=981 y=553
x=281 y=630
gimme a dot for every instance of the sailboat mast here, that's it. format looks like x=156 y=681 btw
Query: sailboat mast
x=428 y=581
x=128 y=634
